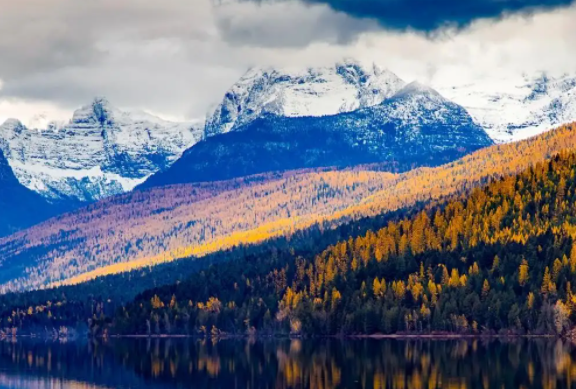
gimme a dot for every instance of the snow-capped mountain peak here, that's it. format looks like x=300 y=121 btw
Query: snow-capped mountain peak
x=99 y=111
x=14 y=124
x=320 y=91
x=516 y=107
x=100 y=152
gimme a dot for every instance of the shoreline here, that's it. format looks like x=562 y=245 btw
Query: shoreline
x=398 y=336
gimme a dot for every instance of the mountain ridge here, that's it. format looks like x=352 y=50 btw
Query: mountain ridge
x=516 y=107
x=21 y=207
x=100 y=152
x=414 y=127
x=292 y=92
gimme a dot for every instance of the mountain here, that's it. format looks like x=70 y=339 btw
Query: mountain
x=20 y=207
x=414 y=127
x=100 y=152
x=516 y=107
x=159 y=225
x=320 y=91
x=477 y=247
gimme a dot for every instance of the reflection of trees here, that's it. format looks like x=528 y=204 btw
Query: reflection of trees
x=307 y=363
x=428 y=364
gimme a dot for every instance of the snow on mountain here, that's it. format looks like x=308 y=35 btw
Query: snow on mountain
x=420 y=119
x=518 y=107
x=321 y=91
x=100 y=152
x=415 y=127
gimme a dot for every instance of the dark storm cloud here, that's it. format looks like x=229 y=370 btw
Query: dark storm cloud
x=430 y=15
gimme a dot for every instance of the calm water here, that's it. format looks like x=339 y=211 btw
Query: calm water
x=162 y=363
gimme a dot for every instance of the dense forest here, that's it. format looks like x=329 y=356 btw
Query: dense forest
x=499 y=259
x=147 y=228
x=70 y=306
x=493 y=259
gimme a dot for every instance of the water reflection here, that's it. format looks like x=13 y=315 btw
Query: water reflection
x=314 y=364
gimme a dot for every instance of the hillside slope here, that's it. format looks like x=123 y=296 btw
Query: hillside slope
x=19 y=206
x=160 y=225
x=501 y=258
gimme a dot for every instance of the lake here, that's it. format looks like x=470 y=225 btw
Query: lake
x=318 y=364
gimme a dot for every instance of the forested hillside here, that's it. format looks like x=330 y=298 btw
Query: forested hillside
x=163 y=224
x=500 y=258
x=72 y=305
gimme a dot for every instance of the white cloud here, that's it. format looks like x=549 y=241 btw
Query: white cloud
x=178 y=57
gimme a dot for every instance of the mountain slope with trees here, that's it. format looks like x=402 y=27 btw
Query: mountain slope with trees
x=502 y=258
x=160 y=225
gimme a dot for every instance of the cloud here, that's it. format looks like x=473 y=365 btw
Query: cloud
x=431 y=15
x=178 y=57
x=47 y=34
x=286 y=24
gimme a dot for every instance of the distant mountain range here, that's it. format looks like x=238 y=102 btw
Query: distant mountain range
x=517 y=107
x=282 y=119
x=101 y=151
x=257 y=167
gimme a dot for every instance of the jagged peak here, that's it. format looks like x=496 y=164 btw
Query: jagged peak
x=99 y=109
x=345 y=64
x=351 y=64
x=103 y=103
x=253 y=72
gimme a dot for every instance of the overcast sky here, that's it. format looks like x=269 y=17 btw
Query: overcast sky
x=176 y=58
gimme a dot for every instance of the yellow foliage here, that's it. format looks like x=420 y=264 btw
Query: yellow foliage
x=246 y=211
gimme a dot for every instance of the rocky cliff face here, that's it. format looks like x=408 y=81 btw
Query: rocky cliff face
x=100 y=152
x=344 y=87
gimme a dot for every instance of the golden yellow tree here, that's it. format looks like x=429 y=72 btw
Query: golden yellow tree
x=523 y=274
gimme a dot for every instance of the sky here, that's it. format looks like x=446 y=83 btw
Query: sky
x=177 y=58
